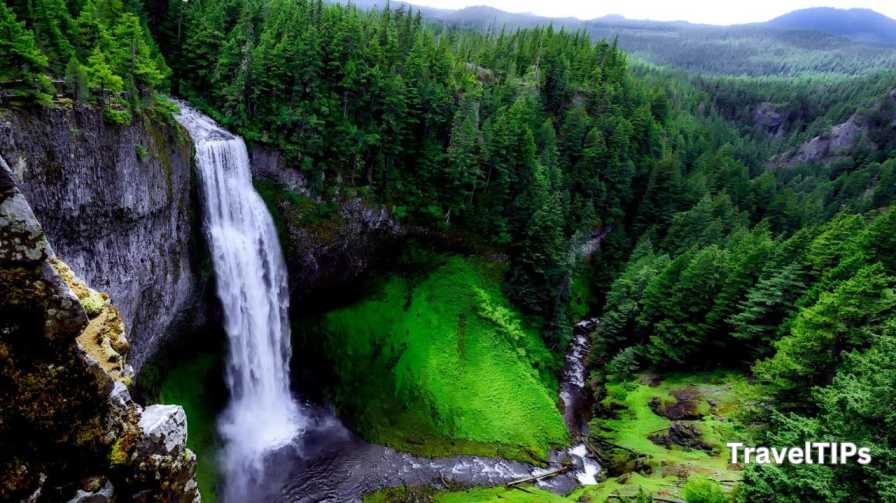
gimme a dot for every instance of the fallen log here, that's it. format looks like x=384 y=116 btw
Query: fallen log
x=535 y=478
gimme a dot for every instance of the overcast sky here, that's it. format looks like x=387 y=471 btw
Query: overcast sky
x=695 y=11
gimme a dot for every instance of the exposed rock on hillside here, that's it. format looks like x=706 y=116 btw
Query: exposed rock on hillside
x=117 y=204
x=103 y=339
x=681 y=434
x=336 y=259
x=827 y=147
x=269 y=164
x=69 y=430
x=843 y=139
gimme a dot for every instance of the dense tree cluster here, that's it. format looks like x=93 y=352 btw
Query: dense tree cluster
x=531 y=140
x=788 y=274
x=96 y=51
x=807 y=105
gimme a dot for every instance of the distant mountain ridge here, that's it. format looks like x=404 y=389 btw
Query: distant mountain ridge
x=862 y=25
x=814 y=41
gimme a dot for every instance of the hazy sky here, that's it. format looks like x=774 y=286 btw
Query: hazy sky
x=695 y=11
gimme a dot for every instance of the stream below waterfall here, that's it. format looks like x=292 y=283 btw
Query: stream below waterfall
x=328 y=463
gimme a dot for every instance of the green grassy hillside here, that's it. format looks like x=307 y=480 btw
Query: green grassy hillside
x=441 y=364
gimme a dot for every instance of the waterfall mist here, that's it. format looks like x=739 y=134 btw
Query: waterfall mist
x=252 y=285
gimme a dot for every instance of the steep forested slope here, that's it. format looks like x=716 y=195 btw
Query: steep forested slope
x=500 y=136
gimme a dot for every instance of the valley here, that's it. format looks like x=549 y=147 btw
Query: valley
x=300 y=251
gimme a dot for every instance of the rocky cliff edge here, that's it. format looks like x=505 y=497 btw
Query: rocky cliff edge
x=69 y=429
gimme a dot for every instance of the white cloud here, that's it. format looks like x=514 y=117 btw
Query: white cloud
x=695 y=11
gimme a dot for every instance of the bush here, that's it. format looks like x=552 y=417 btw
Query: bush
x=117 y=115
x=703 y=490
x=624 y=365
x=93 y=303
x=142 y=152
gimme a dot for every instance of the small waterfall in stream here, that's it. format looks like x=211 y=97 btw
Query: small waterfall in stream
x=252 y=285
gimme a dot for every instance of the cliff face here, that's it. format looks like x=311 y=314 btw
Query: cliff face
x=120 y=207
x=323 y=253
x=117 y=203
x=69 y=429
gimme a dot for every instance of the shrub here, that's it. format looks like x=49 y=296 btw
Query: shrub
x=142 y=152
x=703 y=490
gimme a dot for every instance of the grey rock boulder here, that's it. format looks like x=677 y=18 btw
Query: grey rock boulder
x=166 y=426
x=105 y=494
x=769 y=120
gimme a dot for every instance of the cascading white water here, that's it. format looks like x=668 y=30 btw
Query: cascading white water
x=252 y=285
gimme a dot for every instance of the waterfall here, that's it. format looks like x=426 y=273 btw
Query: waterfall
x=252 y=285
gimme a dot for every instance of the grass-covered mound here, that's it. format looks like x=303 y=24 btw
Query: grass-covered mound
x=439 y=363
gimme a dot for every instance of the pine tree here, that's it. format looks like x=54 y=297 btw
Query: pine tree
x=878 y=241
x=662 y=197
x=76 y=79
x=677 y=303
x=539 y=262
x=22 y=64
x=588 y=187
x=132 y=56
x=748 y=254
x=463 y=173
x=841 y=320
x=52 y=25
x=101 y=80
x=765 y=308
